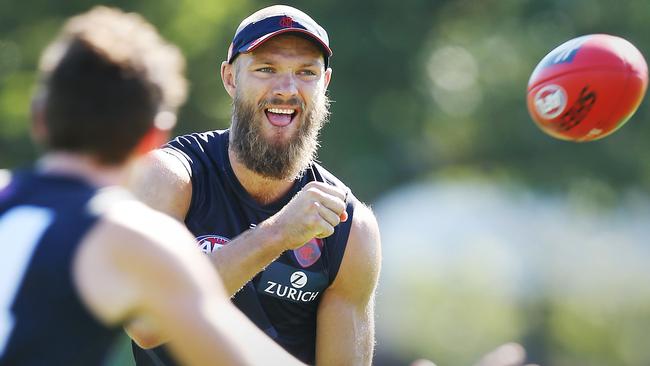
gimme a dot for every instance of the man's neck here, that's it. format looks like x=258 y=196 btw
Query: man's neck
x=261 y=189
x=82 y=166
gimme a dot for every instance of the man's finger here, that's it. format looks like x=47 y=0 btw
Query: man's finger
x=329 y=189
x=331 y=217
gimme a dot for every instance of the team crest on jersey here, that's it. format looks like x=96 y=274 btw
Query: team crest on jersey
x=309 y=253
x=210 y=243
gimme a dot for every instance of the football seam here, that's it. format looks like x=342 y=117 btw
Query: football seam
x=575 y=71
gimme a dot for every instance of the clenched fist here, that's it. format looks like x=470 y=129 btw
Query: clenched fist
x=313 y=212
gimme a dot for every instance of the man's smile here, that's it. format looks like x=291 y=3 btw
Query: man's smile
x=280 y=117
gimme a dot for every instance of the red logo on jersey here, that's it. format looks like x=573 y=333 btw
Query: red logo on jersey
x=286 y=22
x=309 y=253
x=210 y=243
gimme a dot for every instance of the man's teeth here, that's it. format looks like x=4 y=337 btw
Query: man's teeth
x=281 y=111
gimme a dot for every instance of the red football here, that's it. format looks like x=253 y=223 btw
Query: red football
x=587 y=87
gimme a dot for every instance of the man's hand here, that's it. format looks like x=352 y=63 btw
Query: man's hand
x=313 y=212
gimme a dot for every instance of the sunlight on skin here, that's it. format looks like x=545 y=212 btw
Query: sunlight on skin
x=5 y=175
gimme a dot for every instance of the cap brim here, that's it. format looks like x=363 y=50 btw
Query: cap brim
x=258 y=42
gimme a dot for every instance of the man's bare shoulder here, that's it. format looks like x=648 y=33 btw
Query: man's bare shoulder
x=144 y=229
x=129 y=229
x=361 y=263
x=162 y=181
x=364 y=234
x=126 y=250
x=162 y=164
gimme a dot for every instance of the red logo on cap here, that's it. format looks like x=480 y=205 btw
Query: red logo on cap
x=286 y=22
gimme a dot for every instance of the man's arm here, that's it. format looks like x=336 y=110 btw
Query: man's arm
x=164 y=184
x=345 y=328
x=313 y=212
x=139 y=265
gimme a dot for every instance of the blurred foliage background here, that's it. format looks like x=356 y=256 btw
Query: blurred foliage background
x=493 y=231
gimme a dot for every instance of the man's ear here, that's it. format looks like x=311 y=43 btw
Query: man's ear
x=153 y=139
x=229 y=78
x=328 y=76
x=158 y=134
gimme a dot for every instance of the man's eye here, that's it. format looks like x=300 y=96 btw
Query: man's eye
x=307 y=73
x=265 y=69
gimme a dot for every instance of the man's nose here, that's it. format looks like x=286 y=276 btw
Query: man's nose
x=286 y=85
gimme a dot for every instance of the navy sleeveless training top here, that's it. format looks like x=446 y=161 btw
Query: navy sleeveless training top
x=43 y=321
x=283 y=299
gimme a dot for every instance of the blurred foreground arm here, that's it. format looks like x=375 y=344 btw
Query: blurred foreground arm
x=139 y=265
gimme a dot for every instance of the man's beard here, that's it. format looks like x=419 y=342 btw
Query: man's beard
x=276 y=160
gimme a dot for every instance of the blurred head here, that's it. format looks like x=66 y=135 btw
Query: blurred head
x=278 y=83
x=108 y=84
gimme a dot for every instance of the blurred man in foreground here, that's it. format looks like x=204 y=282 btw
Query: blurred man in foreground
x=80 y=257
x=299 y=252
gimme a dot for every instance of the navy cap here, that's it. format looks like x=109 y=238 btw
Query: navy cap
x=269 y=22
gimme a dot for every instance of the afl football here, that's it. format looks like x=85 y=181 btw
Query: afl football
x=587 y=88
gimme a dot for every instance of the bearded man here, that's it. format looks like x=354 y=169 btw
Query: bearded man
x=298 y=252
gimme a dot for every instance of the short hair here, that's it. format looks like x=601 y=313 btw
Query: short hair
x=104 y=80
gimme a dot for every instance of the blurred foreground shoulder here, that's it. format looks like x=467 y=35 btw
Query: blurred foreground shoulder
x=129 y=253
x=5 y=177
